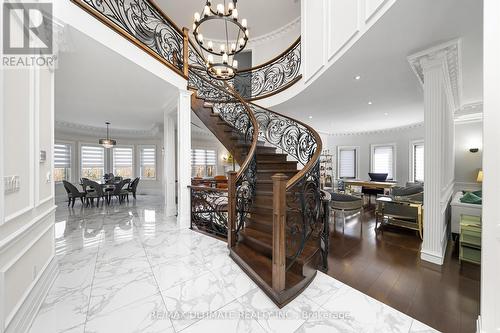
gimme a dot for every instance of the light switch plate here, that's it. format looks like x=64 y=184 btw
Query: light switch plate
x=11 y=184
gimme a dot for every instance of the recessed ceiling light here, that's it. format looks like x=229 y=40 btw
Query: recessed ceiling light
x=310 y=117
x=370 y=103
x=386 y=114
x=357 y=77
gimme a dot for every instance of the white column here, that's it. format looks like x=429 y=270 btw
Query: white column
x=435 y=107
x=184 y=158
x=490 y=238
x=169 y=163
x=439 y=72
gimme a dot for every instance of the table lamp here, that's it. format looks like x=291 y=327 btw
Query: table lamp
x=480 y=176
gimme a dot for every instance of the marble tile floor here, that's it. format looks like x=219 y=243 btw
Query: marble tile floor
x=129 y=268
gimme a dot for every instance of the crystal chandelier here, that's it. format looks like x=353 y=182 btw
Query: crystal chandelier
x=220 y=61
x=107 y=143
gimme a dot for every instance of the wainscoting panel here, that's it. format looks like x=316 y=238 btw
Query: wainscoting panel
x=313 y=32
x=372 y=7
x=342 y=24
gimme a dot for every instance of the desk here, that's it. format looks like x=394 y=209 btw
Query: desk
x=405 y=214
x=366 y=184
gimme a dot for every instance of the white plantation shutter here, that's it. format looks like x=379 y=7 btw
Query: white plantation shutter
x=383 y=160
x=92 y=157
x=418 y=162
x=347 y=163
x=122 y=157
x=62 y=155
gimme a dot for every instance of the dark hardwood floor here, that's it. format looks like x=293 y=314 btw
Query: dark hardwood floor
x=387 y=267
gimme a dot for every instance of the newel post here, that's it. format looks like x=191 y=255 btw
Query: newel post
x=279 y=221
x=231 y=209
x=185 y=52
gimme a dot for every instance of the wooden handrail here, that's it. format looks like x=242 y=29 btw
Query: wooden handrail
x=311 y=163
x=272 y=60
x=255 y=135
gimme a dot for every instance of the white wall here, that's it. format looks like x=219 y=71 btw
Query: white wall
x=468 y=135
x=27 y=264
x=153 y=187
x=402 y=137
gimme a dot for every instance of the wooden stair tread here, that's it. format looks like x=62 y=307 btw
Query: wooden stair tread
x=262 y=265
x=265 y=240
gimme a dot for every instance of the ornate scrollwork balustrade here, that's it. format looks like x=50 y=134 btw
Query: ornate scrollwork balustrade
x=305 y=212
x=144 y=24
x=271 y=77
x=237 y=113
x=209 y=210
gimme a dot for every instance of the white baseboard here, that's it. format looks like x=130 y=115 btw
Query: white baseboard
x=24 y=317
x=434 y=258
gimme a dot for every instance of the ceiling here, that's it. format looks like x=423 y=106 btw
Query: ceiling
x=94 y=85
x=338 y=103
x=270 y=15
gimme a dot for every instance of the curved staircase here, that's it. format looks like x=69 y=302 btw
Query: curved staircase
x=273 y=213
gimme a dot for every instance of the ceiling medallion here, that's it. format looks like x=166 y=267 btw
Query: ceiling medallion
x=220 y=61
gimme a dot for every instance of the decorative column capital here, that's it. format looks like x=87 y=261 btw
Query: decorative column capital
x=448 y=57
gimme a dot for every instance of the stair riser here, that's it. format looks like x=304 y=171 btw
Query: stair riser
x=277 y=165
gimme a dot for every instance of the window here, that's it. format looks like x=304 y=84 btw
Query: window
x=62 y=162
x=148 y=162
x=383 y=159
x=417 y=162
x=348 y=162
x=203 y=162
x=92 y=162
x=123 y=158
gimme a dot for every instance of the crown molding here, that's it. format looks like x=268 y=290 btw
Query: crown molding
x=275 y=34
x=451 y=55
x=156 y=131
x=380 y=131
x=469 y=113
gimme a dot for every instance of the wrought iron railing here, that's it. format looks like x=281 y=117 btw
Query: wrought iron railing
x=144 y=24
x=239 y=115
x=209 y=210
x=304 y=218
x=271 y=77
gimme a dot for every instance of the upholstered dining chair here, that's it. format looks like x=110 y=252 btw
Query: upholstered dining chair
x=119 y=192
x=132 y=187
x=93 y=191
x=73 y=193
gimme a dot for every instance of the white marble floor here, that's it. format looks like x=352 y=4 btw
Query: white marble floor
x=129 y=268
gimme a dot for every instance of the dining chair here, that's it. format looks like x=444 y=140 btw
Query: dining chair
x=73 y=193
x=132 y=187
x=119 y=192
x=94 y=191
